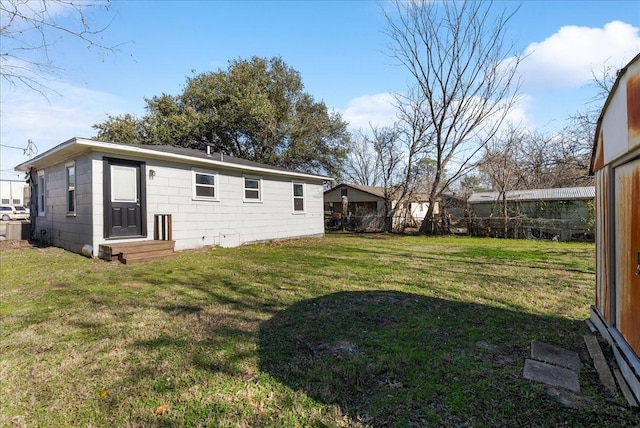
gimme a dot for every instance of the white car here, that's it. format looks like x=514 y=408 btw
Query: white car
x=13 y=212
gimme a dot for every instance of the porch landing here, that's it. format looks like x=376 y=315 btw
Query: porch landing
x=130 y=252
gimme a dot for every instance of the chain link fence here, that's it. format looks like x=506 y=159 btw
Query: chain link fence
x=494 y=227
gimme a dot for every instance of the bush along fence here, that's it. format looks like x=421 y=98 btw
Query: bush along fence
x=531 y=228
x=494 y=227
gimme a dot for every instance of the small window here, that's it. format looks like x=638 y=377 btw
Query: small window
x=205 y=185
x=71 y=189
x=5 y=201
x=298 y=197
x=252 y=189
x=16 y=202
x=41 y=201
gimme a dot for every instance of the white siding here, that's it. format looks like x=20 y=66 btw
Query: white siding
x=228 y=221
x=70 y=232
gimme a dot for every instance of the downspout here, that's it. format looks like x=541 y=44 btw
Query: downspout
x=32 y=180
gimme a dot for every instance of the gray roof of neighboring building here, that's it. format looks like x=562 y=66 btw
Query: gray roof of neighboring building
x=557 y=194
x=373 y=190
x=377 y=191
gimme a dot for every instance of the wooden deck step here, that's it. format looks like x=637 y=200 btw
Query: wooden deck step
x=128 y=252
x=128 y=258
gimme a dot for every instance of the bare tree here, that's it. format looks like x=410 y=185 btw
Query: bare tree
x=389 y=164
x=361 y=162
x=500 y=165
x=536 y=164
x=30 y=28
x=393 y=158
x=472 y=183
x=454 y=52
x=414 y=131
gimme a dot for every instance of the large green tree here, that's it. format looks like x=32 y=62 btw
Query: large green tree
x=255 y=110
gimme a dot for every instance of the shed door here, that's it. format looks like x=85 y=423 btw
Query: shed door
x=124 y=199
x=627 y=248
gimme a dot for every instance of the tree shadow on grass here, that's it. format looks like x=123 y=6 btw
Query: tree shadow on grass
x=401 y=359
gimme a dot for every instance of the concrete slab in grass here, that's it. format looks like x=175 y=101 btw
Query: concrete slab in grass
x=551 y=375
x=555 y=355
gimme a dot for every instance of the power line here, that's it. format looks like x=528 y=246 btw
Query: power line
x=12 y=147
x=30 y=150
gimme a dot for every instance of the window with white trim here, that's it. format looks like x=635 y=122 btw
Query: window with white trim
x=252 y=189
x=298 y=197
x=71 y=189
x=42 y=200
x=205 y=185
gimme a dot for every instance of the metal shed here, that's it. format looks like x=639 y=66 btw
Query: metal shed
x=615 y=162
x=565 y=213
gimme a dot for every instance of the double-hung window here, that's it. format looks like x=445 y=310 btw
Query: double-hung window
x=42 y=200
x=205 y=186
x=298 y=197
x=71 y=189
x=252 y=189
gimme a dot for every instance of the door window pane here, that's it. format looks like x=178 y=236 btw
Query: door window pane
x=124 y=184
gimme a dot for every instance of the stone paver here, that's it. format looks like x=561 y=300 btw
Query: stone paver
x=555 y=355
x=551 y=375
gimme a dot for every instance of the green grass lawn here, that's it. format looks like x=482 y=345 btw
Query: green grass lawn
x=369 y=330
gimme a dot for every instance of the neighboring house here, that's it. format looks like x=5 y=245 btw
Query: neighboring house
x=616 y=164
x=365 y=209
x=455 y=205
x=562 y=213
x=87 y=193
x=14 y=192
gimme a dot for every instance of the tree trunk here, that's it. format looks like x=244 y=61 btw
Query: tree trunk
x=345 y=210
x=505 y=214
x=426 y=228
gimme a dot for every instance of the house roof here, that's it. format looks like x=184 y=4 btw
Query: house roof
x=373 y=190
x=77 y=146
x=558 y=194
x=376 y=191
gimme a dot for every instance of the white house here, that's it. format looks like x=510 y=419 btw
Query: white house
x=13 y=192
x=366 y=207
x=87 y=193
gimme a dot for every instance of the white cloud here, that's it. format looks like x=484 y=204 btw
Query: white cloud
x=26 y=114
x=567 y=58
x=518 y=115
x=375 y=109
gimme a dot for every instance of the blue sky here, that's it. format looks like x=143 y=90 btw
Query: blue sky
x=339 y=47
